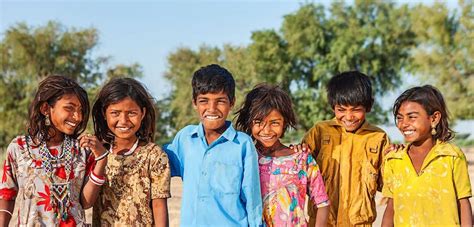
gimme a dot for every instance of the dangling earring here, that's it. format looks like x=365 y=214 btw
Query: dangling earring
x=433 y=130
x=47 y=122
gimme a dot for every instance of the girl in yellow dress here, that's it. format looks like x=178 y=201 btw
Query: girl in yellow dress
x=427 y=182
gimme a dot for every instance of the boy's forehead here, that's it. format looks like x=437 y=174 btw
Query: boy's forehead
x=213 y=95
x=349 y=106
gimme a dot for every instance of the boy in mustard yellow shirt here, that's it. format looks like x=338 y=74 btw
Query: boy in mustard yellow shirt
x=349 y=152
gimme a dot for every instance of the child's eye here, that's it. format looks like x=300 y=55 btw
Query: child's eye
x=132 y=114
x=257 y=122
x=275 y=123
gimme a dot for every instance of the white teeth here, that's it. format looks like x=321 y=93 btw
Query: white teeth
x=266 y=137
x=211 y=117
x=71 y=124
x=408 y=132
x=123 y=128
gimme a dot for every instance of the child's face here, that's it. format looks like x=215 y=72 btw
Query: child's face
x=65 y=114
x=268 y=130
x=414 y=122
x=350 y=117
x=124 y=118
x=213 y=109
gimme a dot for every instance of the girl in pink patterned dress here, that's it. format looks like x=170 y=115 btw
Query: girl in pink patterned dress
x=46 y=175
x=286 y=177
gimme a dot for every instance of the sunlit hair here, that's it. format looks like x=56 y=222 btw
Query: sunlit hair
x=213 y=79
x=258 y=104
x=432 y=100
x=115 y=91
x=50 y=90
x=351 y=88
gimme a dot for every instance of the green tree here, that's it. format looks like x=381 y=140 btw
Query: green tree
x=312 y=45
x=28 y=54
x=445 y=56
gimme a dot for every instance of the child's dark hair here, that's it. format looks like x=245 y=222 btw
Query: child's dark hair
x=432 y=100
x=50 y=90
x=259 y=102
x=213 y=79
x=350 y=88
x=115 y=91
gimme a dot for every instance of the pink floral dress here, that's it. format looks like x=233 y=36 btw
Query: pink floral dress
x=285 y=181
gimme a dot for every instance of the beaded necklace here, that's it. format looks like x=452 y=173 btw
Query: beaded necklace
x=60 y=191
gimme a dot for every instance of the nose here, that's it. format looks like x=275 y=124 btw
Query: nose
x=212 y=106
x=77 y=116
x=123 y=118
x=266 y=128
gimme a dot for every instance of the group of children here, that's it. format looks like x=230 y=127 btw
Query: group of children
x=242 y=176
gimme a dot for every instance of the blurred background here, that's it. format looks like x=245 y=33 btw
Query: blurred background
x=297 y=44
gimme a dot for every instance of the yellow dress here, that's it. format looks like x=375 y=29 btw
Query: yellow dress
x=430 y=197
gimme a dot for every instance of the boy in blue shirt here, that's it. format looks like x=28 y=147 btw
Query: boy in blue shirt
x=218 y=164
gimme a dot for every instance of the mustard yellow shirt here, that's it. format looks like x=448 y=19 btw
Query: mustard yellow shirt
x=430 y=197
x=350 y=164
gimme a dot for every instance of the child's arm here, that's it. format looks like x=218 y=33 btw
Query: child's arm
x=465 y=212
x=387 y=220
x=317 y=192
x=322 y=215
x=160 y=212
x=250 y=191
x=8 y=184
x=160 y=176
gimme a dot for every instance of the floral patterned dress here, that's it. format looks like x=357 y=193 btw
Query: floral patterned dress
x=132 y=182
x=36 y=185
x=285 y=181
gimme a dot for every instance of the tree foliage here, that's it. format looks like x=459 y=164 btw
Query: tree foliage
x=445 y=56
x=312 y=45
x=28 y=54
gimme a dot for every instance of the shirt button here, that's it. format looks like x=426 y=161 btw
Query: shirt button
x=204 y=173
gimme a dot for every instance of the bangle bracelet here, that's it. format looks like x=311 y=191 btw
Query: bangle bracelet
x=6 y=211
x=102 y=156
x=97 y=180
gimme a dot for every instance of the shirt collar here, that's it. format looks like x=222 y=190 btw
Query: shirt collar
x=439 y=149
x=229 y=134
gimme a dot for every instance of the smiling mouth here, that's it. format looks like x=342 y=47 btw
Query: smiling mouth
x=350 y=123
x=123 y=129
x=212 y=117
x=72 y=124
x=408 y=132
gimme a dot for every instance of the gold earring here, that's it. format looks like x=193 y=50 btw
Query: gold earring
x=433 y=130
x=47 y=122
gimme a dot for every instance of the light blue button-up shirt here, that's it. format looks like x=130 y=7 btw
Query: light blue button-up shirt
x=221 y=185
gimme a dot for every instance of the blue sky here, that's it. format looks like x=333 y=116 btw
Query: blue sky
x=145 y=32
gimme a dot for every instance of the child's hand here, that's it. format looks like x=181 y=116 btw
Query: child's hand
x=393 y=147
x=303 y=147
x=91 y=142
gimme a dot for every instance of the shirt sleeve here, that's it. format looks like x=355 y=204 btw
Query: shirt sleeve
x=250 y=192
x=9 y=185
x=461 y=179
x=387 y=190
x=174 y=159
x=311 y=138
x=160 y=174
x=316 y=188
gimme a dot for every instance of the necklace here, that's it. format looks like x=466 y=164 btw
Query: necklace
x=269 y=151
x=60 y=191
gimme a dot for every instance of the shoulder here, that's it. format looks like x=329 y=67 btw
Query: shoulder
x=324 y=124
x=448 y=149
x=375 y=129
x=153 y=149
x=243 y=137
x=18 y=143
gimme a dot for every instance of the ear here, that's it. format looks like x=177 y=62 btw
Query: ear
x=194 y=104
x=435 y=118
x=45 y=108
x=232 y=103
x=143 y=113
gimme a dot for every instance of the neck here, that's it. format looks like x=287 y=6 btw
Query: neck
x=213 y=134
x=423 y=146
x=270 y=151
x=123 y=143
x=56 y=139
